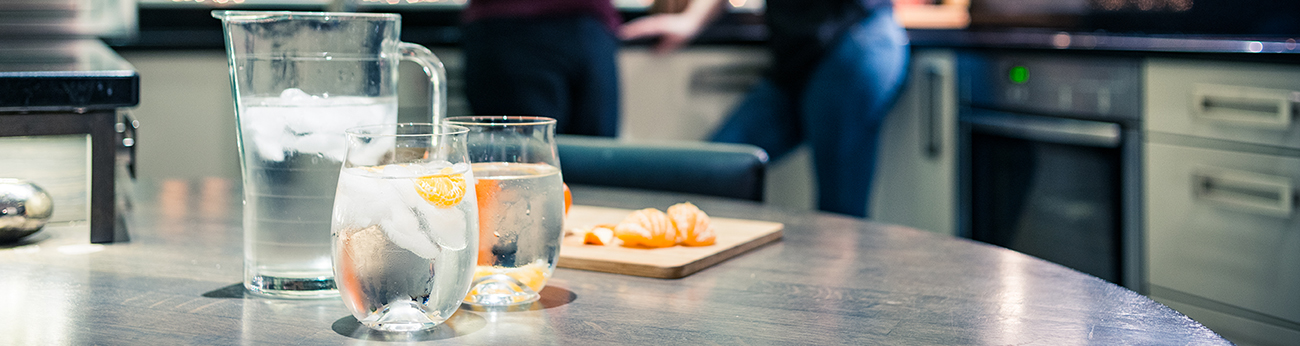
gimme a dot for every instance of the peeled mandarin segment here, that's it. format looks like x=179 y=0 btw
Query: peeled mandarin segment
x=683 y=217
x=700 y=238
x=647 y=227
x=693 y=225
x=591 y=238
x=600 y=235
x=662 y=228
x=443 y=190
x=632 y=234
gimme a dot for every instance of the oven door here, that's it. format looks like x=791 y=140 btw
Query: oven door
x=1049 y=187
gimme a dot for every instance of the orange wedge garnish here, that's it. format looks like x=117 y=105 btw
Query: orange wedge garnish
x=443 y=190
x=568 y=199
x=486 y=190
x=348 y=282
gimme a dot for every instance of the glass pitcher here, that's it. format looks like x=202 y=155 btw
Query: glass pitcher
x=299 y=79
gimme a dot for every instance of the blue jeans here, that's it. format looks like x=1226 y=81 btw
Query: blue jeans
x=838 y=113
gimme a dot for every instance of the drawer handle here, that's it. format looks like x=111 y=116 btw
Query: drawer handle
x=932 y=120
x=1245 y=191
x=1244 y=106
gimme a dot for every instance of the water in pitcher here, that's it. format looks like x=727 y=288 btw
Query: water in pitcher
x=293 y=147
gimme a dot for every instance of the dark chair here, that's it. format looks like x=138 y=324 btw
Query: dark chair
x=703 y=168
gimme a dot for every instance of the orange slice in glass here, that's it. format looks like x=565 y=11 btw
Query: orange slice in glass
x=486 y=190
x=443 y=190
x=568 y=199
x=532 y=275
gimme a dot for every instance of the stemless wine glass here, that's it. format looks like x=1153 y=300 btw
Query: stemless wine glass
x=521 y=206
x=405 y=225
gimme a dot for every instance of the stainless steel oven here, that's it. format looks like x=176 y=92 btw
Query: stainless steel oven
x=1050 y=158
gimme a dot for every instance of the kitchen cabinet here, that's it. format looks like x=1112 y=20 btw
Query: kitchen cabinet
x=687 y=94
x=1238 y=102
x=915 y=183
x=1222 y=162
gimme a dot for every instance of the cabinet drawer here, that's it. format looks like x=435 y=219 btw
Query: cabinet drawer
x=1244 y=102
x=1221 y=225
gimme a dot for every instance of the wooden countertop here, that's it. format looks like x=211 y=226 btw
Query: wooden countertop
x=830 y=280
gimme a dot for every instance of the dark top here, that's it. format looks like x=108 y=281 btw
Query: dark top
x=601 y=9
x=803 y=30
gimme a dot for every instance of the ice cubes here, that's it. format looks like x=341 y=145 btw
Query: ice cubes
x=387 y=197
x=359 y=200
x=444 y=226
x=403 y=228
x=295 y=94
x=365 y=243
x=308 y=124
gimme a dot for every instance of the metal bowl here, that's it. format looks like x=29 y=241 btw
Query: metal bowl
x=24 y=209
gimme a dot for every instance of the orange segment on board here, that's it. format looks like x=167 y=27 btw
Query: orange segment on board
x=692 y=224
x=683 y=224
x=647 y=227
x=443 y=190
x=599 y=235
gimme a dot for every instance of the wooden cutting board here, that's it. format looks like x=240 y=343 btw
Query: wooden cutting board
x=735 y=236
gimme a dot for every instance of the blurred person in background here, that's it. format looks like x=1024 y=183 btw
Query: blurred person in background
x=552 y=58
x=837 y=68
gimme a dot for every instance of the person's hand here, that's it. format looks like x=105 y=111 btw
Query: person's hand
x=673 y=30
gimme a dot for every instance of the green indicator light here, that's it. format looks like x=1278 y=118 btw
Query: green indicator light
x=1018 y=74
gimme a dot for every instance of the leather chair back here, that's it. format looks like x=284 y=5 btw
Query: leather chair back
x=703 y=168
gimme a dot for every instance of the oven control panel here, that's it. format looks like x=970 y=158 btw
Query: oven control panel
x=1085 y=86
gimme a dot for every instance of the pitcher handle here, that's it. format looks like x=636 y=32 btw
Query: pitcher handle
x=437 y=77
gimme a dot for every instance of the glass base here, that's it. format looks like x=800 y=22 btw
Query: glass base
x=401 y=317
x=292 y=288
x=500 y=290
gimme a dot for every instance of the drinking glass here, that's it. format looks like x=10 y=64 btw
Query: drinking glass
x=299 y=79
x=405 y=225
x=521 y=206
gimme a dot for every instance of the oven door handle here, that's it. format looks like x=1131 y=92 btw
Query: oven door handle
x=1250 y=192
x=1044 y=129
